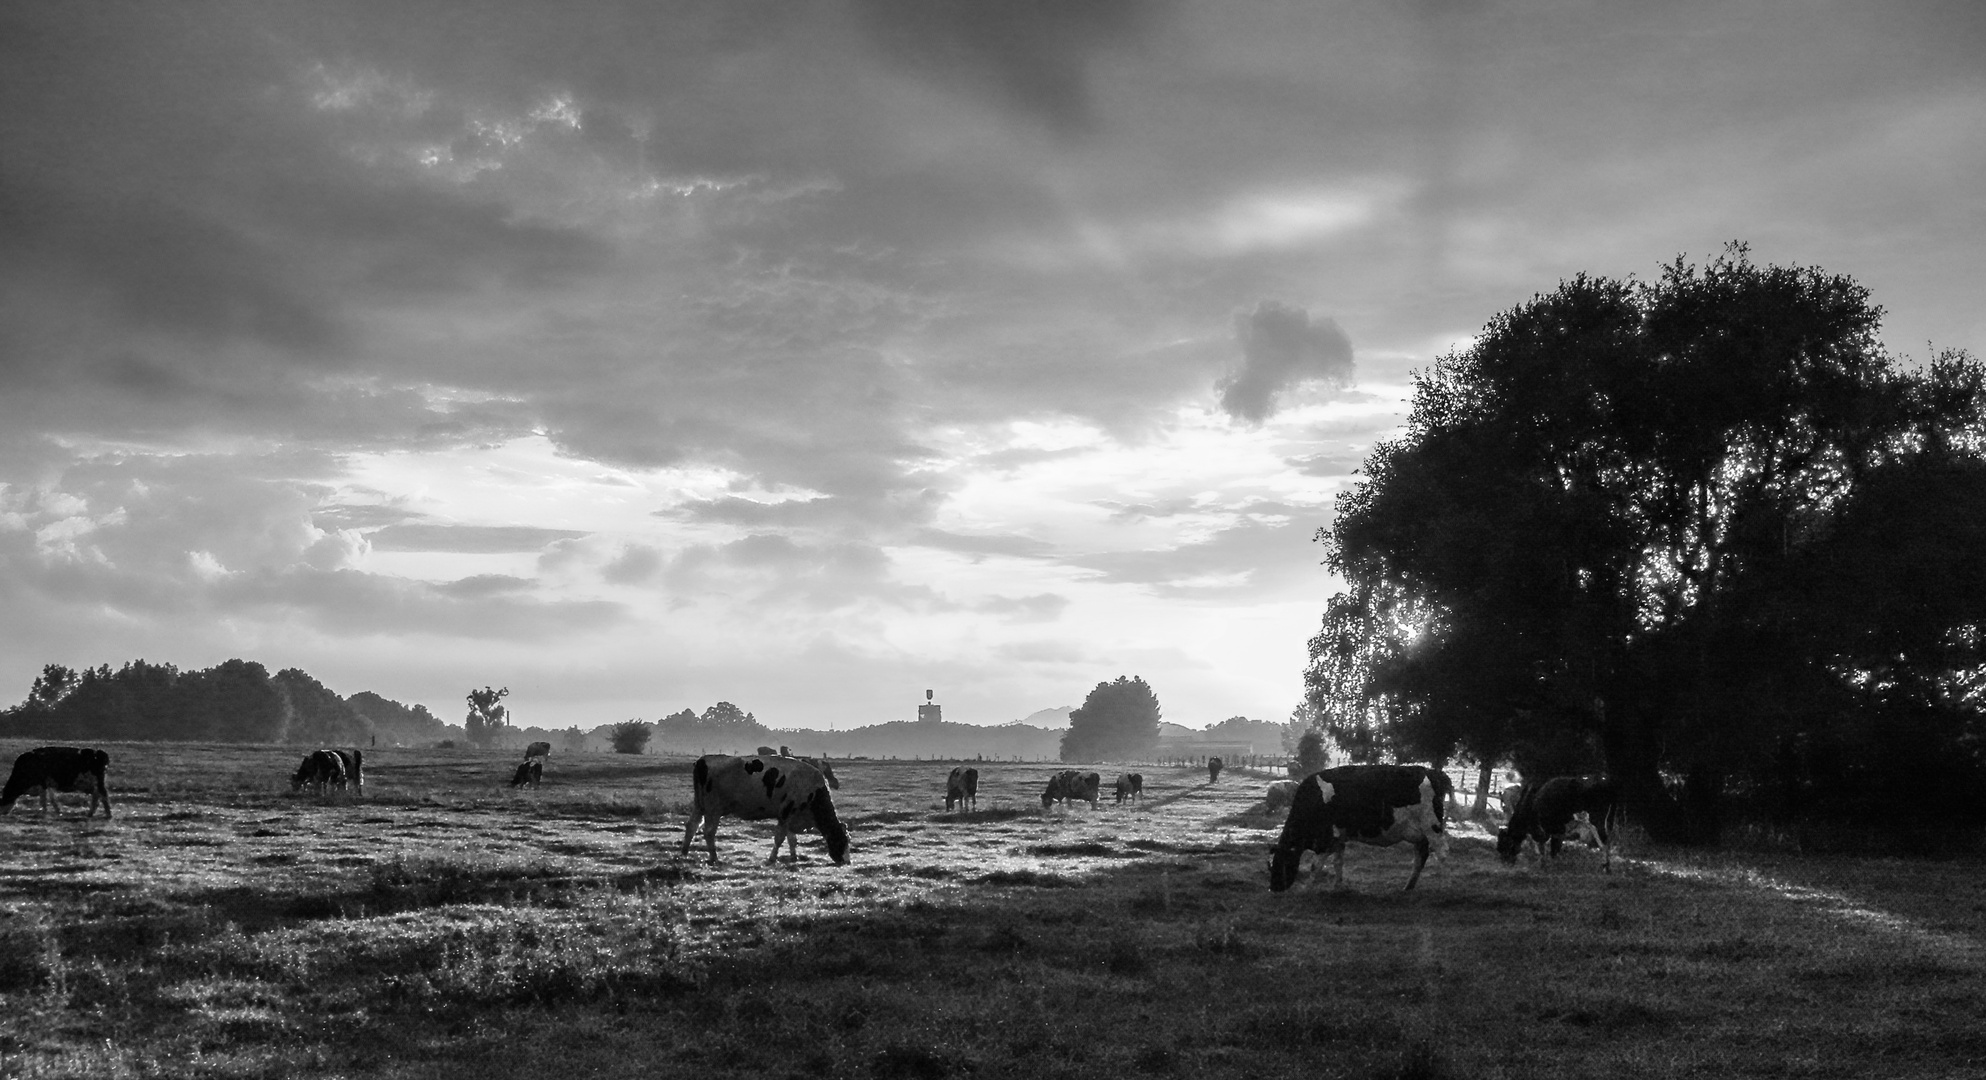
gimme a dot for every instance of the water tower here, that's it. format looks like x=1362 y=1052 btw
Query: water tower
x=929 y=713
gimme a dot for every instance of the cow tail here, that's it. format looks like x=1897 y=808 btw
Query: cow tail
x=829 y=823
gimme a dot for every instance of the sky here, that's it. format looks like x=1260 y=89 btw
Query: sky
x=637 y=356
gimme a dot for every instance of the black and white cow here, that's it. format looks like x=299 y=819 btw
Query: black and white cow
x=324 y=769
x=537 y=749
x=1072 y=786
x=1214 y=770
x=354 y=762
x=785 y=789
x=1131 y=786
x=962 y=788
x=530 y=772
x=1373 y=804
x=1582 y=809
x=1280 y=795
x=49 y=769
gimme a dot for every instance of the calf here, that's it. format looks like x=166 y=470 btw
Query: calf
x=323 y=768
x=962 y=787
x=1281 y=794
x=1373 y=804
x=1130 y=785
x=1580 y=808
x=787 y=790
x=354 y=762
x=1072 y=786
x=1213 y=770
x=530 y=771
x=49 y=769
x=538 y=749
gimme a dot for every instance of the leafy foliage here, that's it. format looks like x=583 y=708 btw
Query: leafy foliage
x=1697 y=526
x=631 y=736
x=235 y=701
x=1117 y=720
x=487 y=716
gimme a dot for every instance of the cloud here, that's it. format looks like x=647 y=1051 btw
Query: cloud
x=1280 y=348
x=469 y=539
x=1034 y=57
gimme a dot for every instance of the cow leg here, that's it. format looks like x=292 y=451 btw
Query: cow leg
x=1420 y=860
x=710 y=835
x=1341 y=863
x=689 y=832
x=101 y=791
x=779 y=836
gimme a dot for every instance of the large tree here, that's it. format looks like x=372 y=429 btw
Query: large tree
x=1620 y=529
x=1117 y=721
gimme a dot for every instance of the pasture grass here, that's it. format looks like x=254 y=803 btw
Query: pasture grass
x=446 y=925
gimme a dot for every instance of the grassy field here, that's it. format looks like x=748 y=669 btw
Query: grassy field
x=447 y=926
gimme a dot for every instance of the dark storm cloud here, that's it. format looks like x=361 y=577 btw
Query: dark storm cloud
x=1280 y=348
x=469 y=539
x=1034 y=56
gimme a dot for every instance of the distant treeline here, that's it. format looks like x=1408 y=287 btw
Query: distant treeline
x=235 y=701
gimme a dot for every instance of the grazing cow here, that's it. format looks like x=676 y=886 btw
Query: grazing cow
x=323 y=768
x=1281 y=793
x=1213 y=770
x=785 y=752
x=962 y=787
x=530 y=771
x=49 y=769
x=538 y=749
x=354 y=762
x=1373 y=804
x=1072 y=786
x=785 y=789
x=1578 y=808
x=1130 y=785
x=767 y=751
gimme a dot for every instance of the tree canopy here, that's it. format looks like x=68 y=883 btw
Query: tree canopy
x=1118 y=720
x=1701 y=528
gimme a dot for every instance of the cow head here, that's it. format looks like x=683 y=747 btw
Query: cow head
x=1284 y=864
x=1508 y=842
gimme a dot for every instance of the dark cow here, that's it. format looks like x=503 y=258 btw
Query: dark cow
x=537 y=749
x=1578 y=808
x=767 y=751
x=1072 y=786
x=1373 y=804
x=323 y=768
x=1213 y=770
x=530 y=771
x=962 y=788
x=49 y=769
x=354 y=762
x=787 y=790
x=1131 y=786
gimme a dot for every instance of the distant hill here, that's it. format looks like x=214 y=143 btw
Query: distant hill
x=1054 y=719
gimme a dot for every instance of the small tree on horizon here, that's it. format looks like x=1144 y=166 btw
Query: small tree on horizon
x=487 y=716
x=630 y=736
x=1117 y=720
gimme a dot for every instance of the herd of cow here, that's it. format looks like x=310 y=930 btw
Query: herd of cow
x=1372 y=804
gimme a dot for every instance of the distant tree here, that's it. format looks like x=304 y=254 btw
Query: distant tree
x=1118 y=720
x=50 y=686
x=396 y=722
x=573 y=738
x=487 y=716
x=1311 y=756
x=630 y=737
x=318 y=715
